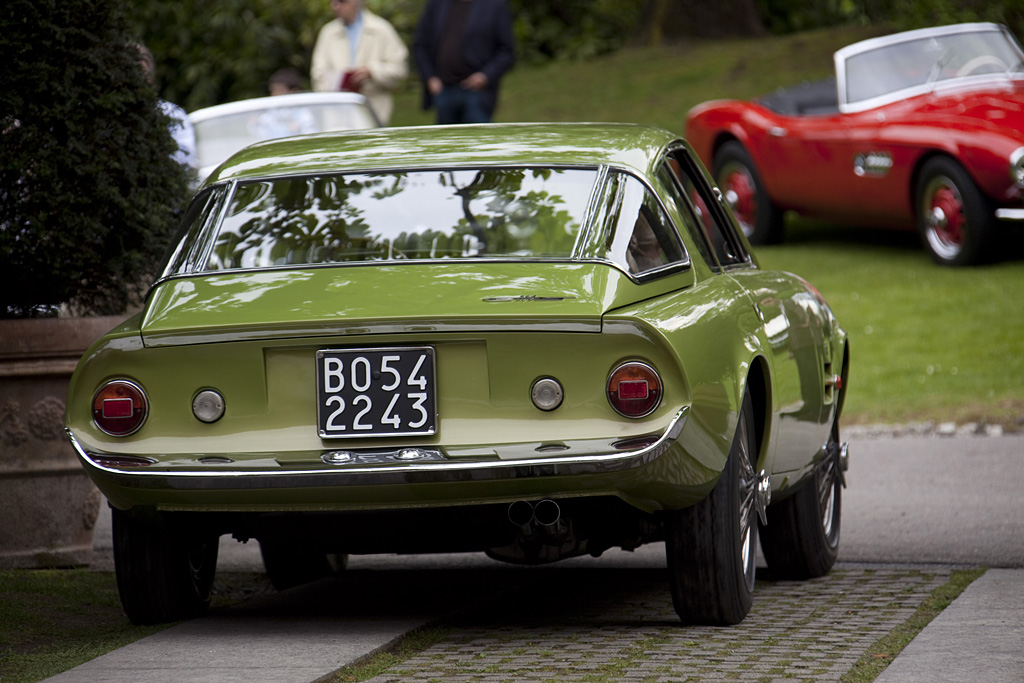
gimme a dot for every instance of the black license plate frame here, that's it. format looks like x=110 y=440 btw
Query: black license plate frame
x=376 y=392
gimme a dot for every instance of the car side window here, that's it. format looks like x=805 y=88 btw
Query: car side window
x=688 y=216
x=644 y=240
x=710 y=226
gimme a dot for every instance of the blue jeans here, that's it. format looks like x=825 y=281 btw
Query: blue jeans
x=458 y=105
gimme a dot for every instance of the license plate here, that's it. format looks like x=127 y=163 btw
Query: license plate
x=375 y=392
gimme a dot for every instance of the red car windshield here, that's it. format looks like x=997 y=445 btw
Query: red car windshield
x=917 y=63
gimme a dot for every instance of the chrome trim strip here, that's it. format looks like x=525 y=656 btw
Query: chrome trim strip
x=1010 y=214
x=329 y=330
x=418 y=472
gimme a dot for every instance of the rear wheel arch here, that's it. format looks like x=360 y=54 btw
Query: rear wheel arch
x=915 y=176
x=919 y=164
x=759 y=387
x=845 y=374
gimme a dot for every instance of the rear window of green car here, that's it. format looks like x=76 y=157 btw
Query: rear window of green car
x=520 y=213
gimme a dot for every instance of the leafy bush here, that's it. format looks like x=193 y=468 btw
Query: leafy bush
x=908 y=14
x=88 y=189
x=210 y=52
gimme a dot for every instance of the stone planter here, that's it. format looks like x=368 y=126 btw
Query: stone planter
x=48 y=507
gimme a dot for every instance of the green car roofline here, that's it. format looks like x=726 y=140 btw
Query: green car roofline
x=622 y=145
x=382 y=467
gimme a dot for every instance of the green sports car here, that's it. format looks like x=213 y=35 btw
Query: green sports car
x=536 y=341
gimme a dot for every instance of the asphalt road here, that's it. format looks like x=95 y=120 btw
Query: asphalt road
x=935 y=499
x=921 y=499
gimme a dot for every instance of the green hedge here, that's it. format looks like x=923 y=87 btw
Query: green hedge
x=88 y=189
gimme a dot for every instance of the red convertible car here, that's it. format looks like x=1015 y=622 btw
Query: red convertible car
x=918 y=129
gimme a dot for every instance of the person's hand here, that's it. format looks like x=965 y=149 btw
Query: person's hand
x=476 y=81
x=434 y=85
x=358 y=77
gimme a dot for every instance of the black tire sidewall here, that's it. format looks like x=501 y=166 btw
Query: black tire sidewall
x=703 y=546
x=163 y=574
x=794 y=542
x=978 y=210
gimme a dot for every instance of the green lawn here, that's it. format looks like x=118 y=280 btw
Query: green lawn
x=928 y=343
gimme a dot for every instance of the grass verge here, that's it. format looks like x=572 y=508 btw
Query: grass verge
x=886 y=648
x=928 y=344
x=52 y=620
x=405 y=647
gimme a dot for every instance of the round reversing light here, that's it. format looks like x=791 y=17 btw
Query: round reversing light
x=208 y=406
x=634 y=389
x=547 y=393
x=120 y=407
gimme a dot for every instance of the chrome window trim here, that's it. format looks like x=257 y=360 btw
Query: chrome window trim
x=685 y=263
x=591 y=215
x=726 y=224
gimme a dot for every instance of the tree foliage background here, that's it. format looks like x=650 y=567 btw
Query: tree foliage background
x=88 y=192
x=88 y=188
x=214 y=51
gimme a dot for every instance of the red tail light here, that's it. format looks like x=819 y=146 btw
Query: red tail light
x=120 y=407
x=634 y=389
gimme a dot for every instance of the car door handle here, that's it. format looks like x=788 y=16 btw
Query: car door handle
x=778 y=132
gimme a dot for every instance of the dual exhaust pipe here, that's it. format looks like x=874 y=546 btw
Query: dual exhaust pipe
x=528 y=517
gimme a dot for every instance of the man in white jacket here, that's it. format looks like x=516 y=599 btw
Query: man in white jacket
x=361 y=52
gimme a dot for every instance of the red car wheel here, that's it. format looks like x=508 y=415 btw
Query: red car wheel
x=955 y=218
x=741 y=194
x=944 y=218
x=740 y=182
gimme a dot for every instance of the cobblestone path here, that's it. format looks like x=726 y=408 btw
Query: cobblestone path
x=619 y=626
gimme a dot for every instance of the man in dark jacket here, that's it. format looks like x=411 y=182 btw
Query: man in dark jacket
x=462 y=49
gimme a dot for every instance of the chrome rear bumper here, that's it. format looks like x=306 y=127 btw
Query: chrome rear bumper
x=1010 y=214
x=334 y=468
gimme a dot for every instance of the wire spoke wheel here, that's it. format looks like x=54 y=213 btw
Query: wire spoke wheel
x=747 y=509
x=801 y=539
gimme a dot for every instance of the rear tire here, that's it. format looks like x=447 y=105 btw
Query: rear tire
x=711 y=546
x=801 y=539
x=740 y=181
x=164 y=573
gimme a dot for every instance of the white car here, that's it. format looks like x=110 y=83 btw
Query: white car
x=224 y=129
